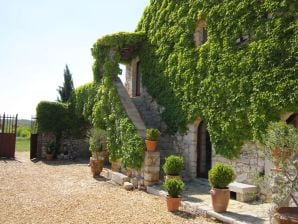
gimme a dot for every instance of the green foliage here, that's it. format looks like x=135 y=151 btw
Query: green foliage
x=283 y=139
x=23 y=132
x=83 y=100
x=114 y=44
x=52 y=117
x=123 y=140
x=97 y=140
x=51 y=147
x=22 y=144
x=174 y=187
x=173 y=165
x=66 y=90
x=152 y=134
x=236 y=88
x=221 y=175
x=59 y=118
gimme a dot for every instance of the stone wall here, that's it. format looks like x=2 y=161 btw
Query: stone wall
x=69 y=148
x=149 y=110
x=248 y=166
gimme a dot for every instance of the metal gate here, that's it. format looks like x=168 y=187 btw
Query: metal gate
x=33 y=139
x=8 y=129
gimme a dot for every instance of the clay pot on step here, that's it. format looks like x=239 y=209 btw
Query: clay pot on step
x=220 y=199
x=173 y=203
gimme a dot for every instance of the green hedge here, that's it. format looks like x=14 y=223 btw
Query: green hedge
x=236 y=88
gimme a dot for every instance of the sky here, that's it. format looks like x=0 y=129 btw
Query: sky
x=38 y=38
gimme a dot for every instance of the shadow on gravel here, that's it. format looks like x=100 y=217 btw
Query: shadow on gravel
x=6 y=160
x=244 y=218
x=184 y=214
x=66 y=162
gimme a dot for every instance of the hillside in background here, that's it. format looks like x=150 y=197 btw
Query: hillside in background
x=24 y=123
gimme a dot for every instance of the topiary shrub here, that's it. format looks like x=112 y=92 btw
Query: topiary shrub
x=221 y=175
x=174 y=187
x=152 y=134
x=173 y=165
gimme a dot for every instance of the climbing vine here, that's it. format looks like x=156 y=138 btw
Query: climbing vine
x=124 y=142
x=237 y=88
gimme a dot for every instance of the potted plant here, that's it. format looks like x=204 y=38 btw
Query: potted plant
x=174 y=187
x=281 y=139
x=97 y=143
x=50 y=150
x=152 y=135
x=220 y=176
x=173 y=166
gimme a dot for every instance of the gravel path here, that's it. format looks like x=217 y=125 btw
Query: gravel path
x=64 y=192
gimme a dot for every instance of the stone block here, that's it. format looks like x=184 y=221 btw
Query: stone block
x=152 y=158
x=128 y=186
x=119 y=178
x=151 y=169
x=151 y=177
x=244 y=192
x=135 y=182
x=106 y=173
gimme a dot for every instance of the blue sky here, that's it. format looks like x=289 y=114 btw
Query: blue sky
x=39 y=37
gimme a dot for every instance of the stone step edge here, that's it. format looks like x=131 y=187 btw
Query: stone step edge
x=195 y=208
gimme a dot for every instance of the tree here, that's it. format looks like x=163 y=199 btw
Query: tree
x=66 y=90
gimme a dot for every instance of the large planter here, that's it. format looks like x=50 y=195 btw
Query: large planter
x=286 y=215
x=151 y=145
x=173 y=203
x=96 y=166
x=220 y=199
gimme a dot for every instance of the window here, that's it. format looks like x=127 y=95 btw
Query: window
x=201 y=33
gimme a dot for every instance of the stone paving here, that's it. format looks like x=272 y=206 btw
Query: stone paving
x=196 y=198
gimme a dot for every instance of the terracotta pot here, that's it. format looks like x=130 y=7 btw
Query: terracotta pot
x=286 y=215
x=173 y=177
x=220 y=199
x=173 y=203
x=49 y=157
x=96 y=166
x=150 y=145
x=116 y=165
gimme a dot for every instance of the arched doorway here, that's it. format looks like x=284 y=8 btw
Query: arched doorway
x=293 y=120
x=204 y=151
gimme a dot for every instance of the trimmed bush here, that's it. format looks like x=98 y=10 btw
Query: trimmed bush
x=221 y=175
x=173 y=165
x=174 y=187
x=152 y=134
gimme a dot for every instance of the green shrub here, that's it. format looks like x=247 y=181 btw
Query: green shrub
x=221 y=175
x=174 y=187
x=152 y=134
x=51 y=147
x=173 y=165
x=97 y=140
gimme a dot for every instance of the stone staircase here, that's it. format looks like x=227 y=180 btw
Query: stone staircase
x=144 y=113
x=149 y=111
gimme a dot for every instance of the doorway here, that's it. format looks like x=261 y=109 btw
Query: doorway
x=204 y=151
x=138 y=80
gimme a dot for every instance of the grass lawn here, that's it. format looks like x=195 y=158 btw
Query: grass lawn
x=22 y=144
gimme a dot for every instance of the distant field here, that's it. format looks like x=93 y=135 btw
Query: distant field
x=22 y=144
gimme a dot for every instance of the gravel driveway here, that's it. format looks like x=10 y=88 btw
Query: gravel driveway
x=64 y=192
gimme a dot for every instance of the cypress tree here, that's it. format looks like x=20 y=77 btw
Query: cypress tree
x=66 y=90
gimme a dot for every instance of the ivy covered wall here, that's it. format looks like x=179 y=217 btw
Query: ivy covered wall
x=237 y=88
